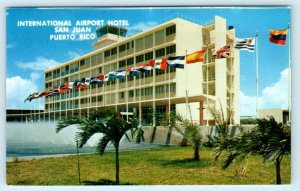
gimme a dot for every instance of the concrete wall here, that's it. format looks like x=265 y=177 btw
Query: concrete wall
x=176 y=138
x=276 y=113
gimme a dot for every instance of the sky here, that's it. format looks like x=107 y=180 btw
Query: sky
x=30 y=51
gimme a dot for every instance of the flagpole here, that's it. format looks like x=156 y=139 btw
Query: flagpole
x=206 y=110
x=39 y=110
x=289 y=76
x=169 y=106
x=186 y=92
x=186 y=99
x=33 y=110
x=257 y=79
x=231 y=82
x=153 y=94
x=126 y=96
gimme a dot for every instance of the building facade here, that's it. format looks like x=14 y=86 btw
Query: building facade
x=190 y=91
x=280 y=115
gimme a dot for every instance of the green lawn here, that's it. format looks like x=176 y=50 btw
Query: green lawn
x=164 y=166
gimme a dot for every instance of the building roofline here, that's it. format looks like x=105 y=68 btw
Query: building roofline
x=94 y=52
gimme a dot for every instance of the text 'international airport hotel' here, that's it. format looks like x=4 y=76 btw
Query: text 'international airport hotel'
x=199 y=87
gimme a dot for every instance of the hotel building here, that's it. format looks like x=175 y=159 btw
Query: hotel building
x=190 y=91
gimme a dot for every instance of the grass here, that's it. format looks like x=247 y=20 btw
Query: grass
x=164 y=166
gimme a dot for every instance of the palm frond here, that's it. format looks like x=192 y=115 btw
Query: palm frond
x=275 y=149
x=87 y=129
x=67 y=121
x=229 y=160
x=102 y=144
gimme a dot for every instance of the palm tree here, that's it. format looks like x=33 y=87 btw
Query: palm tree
x=104 y=121
x=191 y=132
x=278 y=144
x=270 y=139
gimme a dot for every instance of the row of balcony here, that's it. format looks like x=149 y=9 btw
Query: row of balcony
x=158 y=41
x=71 y=105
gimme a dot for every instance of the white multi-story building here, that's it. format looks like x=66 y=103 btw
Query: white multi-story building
x=213 y=83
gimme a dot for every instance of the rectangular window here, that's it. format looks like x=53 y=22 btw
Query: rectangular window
x=139 y=58
x=114 y=51
x=94 y=99
x=173 y=88
x=122 y=63
x=100 y=70
x=131 y=93
x=149 y=56
x=148 y=91
x=171 y=49
x=82 y=62
x=100 y=98
x=130 y=45
x=160 y=52
x=107 y=53
x=130 y=61
x=122 y=95
x=139 y=42
x=122 y=48
x=94 y=60
x=160 y=89
x=83 y=101
x=171 y=30
x=149 y=40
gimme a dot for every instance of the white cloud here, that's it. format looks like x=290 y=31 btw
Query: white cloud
x=277 y=94
x=139 y=27
x=17 y=90
x=247 y=105
x=73 y=54
x=274 y=96
x=35 y=76
x=39 y=64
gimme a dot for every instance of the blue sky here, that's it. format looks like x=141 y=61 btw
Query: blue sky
x=29 y=50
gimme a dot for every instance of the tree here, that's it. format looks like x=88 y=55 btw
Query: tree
x=270 y=139
x=191 y=132
x=104 y=121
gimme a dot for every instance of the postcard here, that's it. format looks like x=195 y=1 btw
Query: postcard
x=148 y=95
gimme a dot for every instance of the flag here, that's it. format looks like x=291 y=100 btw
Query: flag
x=133 y=71
x=67 y=86
x=176 y=61
x=195 y=57
x=84 y=83
x=245 y=44
x=107 y=77
x=101 y=77
x=146 y=68
x=161 y=64
x=278 y=37
x=31 y=97
x=152 y=63
x=76 y=84
x=223 y=52
x=45 y=92
x=54 y=91
x=119 y=74
x=97 y=80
